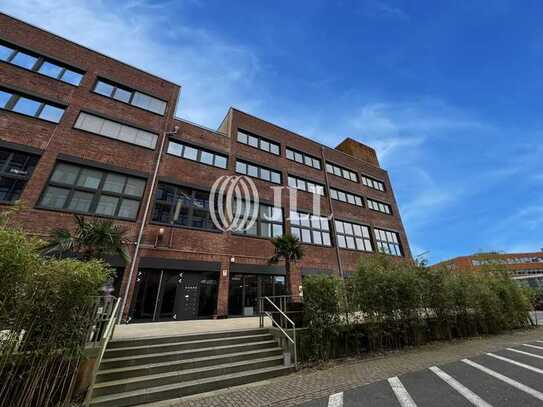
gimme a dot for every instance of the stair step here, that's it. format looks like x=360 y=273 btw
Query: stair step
x=105 y=375
x=176 y=390
x=110 y=363
x=189 y=375
x=183 y=345
x=144 y=341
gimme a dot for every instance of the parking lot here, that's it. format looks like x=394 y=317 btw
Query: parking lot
x=509 y=377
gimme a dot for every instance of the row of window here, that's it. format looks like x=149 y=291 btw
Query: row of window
x=347 y=197
x=379 y=206
x=373 y=183
x=305 y=185
x=111 y=129
x=388 y=242
x=257 y=171
x=130 y=96
x=15 y=170
x=303 y=158
x=30 y=106
x=341 y=172
x=353 y=236
x=255 y=141
x=37 y=63
x=310 y=228
x=183 y=150
x=268 y=221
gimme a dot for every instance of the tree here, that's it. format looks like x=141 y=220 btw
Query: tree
x=289 y=249
x=93 y=239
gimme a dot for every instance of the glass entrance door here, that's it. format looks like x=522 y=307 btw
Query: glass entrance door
x=244 y=290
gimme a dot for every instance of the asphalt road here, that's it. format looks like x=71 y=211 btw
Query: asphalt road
x=508 y=378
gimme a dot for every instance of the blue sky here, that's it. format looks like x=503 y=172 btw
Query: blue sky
x=449 y=93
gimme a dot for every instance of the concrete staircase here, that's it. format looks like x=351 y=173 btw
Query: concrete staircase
x=145 y=370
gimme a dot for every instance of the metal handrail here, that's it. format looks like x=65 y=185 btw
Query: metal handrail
x=278 y=325
x=104 y=340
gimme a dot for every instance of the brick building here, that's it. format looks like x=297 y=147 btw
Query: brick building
x=84 y=133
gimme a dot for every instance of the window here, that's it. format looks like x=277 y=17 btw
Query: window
x=15 y=171
x=255 y=141
x=379 y=206
x=304 y=185
x=353 y=236
x=310 y=228
x=373 y=183
x=388 y=242
x=183 y=150
x=114 y=130
x=303 y=158
x=30 y=106
x=75 y=188
x=37 y=63
x=130 y=96
x=347 y=197
x=180 y=206
x=341 y=172
x=256 y=171
x=268 y=222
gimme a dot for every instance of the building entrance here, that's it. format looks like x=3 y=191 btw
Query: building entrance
x=244 y=290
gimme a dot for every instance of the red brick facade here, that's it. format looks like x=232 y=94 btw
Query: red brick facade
x=171 y=243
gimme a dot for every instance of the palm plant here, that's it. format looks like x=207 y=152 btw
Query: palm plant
x=93 y=239
x=289 y=249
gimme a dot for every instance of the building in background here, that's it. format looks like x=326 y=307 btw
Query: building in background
x=82 y=133
x=527 y=268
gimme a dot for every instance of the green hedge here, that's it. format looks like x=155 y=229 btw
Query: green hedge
x=46 y=310
x=388 y=304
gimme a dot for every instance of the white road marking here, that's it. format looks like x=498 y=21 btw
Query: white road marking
x=335 y=400
x=514 y=362
x=522 y=387
x=525 y=353
x=460 y=388
x=540 y=341
x=532 y=346
x=401 y=393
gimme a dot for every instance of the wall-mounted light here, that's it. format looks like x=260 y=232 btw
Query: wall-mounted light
x=232 y=259
x=159 y=236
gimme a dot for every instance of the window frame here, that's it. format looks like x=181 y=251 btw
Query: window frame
x=341 y=169
x=304 y=155
x=241 y=161
x=98 y=192
x=260 y=139
x=199 y=154
x=128 y=89
x=4 y=174
x=345 y=235
x=306 y=182
x=40 y=61
x=365 y=178
x=337 y=191
x=260 y=220
x=372 y=201
x=379 y=242
x=16 y=96
x=310 y=228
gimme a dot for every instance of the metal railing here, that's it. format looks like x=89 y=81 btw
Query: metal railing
x=100 y=336
x=284 y=320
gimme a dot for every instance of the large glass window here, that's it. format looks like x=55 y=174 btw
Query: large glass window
x=341 y=172
x=305 y=185
x=30 y=106
x=114 y=130
x=256 y=171
x=353 y=236
x=130 y=96
x=373 y=183
x=75 y=188
x=303 y=158
x=15 y=170
x=183 y=150
x=310 y=228
x=388 y=242
x=182 y=206
x=255 y=141
x=379 y=206
x=37 y=63
x=267 y=223
x=347 y=197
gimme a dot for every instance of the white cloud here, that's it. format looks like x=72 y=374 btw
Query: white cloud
x=213 y=73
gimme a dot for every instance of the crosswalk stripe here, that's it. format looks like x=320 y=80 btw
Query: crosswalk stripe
x=522 y=387
x=540 y=341
x=514 y=362
x=401 y=393
x=460 y=388
x=335 y=400
x=525 y=353
x=532 y=346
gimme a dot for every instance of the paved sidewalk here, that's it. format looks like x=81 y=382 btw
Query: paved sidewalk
x=309 y=384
